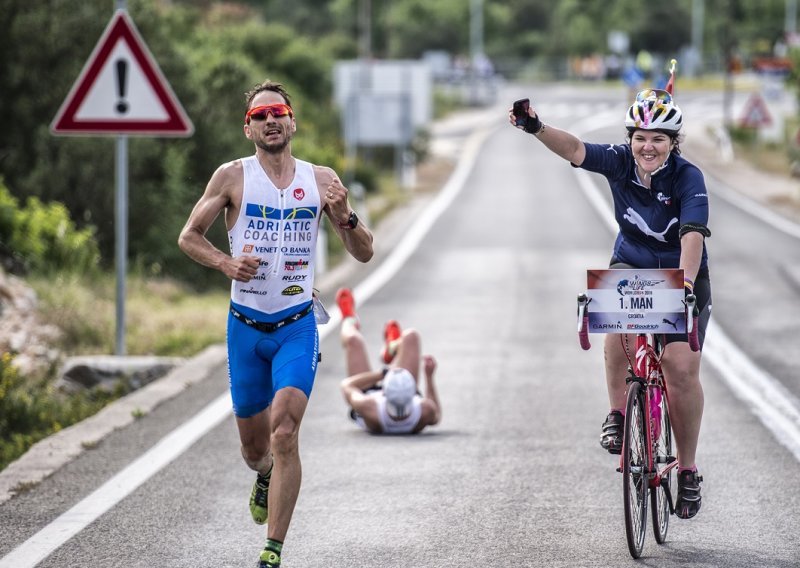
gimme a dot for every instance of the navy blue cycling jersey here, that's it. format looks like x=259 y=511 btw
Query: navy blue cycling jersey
x=650 y=219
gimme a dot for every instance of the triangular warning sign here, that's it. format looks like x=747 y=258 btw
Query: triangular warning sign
x=121 y=90
x=755 y=113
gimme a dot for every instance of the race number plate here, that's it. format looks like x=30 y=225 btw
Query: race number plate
x=636 y=301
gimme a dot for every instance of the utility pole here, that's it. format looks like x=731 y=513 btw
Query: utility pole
x=365 y=23
x=698 y=18
x=790 y=22
x=727 y=56
x=363 y=84
x=475 y=47
x=476 y=28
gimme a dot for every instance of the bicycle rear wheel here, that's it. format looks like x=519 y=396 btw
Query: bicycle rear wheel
x=662 y=455
x=634 y=470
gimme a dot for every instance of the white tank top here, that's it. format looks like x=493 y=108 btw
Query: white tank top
x=280 y=226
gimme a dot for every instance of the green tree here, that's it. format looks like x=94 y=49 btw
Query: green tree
x=211 y=52
x=415 y=26
x=662 y=28
x=210 y=55
x=577 y=28
x=42 y=238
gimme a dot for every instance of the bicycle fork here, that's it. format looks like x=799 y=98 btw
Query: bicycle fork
x=653 y=396
x=647 y=469
x=651 y=404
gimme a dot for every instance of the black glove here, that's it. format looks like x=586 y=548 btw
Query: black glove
x=533 y=125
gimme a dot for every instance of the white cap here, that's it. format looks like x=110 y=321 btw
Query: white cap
x=399 y=387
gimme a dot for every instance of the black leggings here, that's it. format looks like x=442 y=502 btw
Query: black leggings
x=702 y=291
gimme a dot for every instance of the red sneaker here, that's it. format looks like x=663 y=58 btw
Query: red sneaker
x=346 y=303
x=391 y=335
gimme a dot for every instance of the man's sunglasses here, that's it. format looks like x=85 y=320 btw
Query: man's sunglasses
x=654 y=94
x=278 y=110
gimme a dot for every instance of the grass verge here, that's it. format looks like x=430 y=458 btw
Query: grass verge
x=163 y=318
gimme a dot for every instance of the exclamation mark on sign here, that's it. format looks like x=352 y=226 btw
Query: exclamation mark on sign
x=122 y=75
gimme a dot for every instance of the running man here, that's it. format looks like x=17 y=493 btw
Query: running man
x=273 y=203
x=387 y=401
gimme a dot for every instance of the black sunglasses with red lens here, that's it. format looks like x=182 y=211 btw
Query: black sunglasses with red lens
x=277 y=110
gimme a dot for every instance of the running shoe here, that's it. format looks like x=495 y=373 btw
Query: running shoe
x=258 y=498
x=688 y=503
x=611 y=438
x=346 y=303
x=391 y=338
x=269 y=559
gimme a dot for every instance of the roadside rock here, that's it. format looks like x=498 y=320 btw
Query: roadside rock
x=106 y=372
x=21 y=332
x=23 y=335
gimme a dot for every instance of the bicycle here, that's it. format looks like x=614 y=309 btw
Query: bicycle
x=647 y=461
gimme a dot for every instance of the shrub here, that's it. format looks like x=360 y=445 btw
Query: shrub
x=31 y=409
x=42 y=237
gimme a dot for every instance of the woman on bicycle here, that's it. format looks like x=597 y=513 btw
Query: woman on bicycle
x=661 y=208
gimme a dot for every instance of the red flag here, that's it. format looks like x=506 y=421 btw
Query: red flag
x=671 y=83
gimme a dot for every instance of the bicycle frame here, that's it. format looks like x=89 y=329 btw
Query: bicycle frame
x=655 y=461
x=646 y=369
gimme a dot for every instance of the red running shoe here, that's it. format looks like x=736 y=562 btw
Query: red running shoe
x=346 y=303
x=391 y=336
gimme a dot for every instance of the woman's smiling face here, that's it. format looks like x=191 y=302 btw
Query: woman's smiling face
x=650 y=149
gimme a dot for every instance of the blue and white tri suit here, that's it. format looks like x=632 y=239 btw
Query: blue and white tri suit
x=279 y=226
x=652 y=220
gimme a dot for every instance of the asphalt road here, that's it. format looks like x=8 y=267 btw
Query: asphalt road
x=514 y=475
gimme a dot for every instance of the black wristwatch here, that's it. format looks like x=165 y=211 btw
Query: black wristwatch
x=352 y=221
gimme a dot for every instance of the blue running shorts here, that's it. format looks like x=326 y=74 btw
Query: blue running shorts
x=260 y=363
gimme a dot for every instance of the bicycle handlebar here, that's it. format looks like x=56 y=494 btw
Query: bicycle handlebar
x=692 y=313
x=583 y=321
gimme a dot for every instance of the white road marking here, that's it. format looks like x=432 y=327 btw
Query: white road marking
x=71 y=522
x=755 y=209
x=766 y=397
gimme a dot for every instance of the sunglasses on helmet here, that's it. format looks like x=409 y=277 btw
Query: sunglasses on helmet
x=654 y=94
x=277 y=110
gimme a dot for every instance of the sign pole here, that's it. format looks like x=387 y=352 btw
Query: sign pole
x=121 y=222
x=121 y=211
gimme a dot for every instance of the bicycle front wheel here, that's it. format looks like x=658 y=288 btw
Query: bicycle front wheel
x=634 y=469
x=662 y=456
